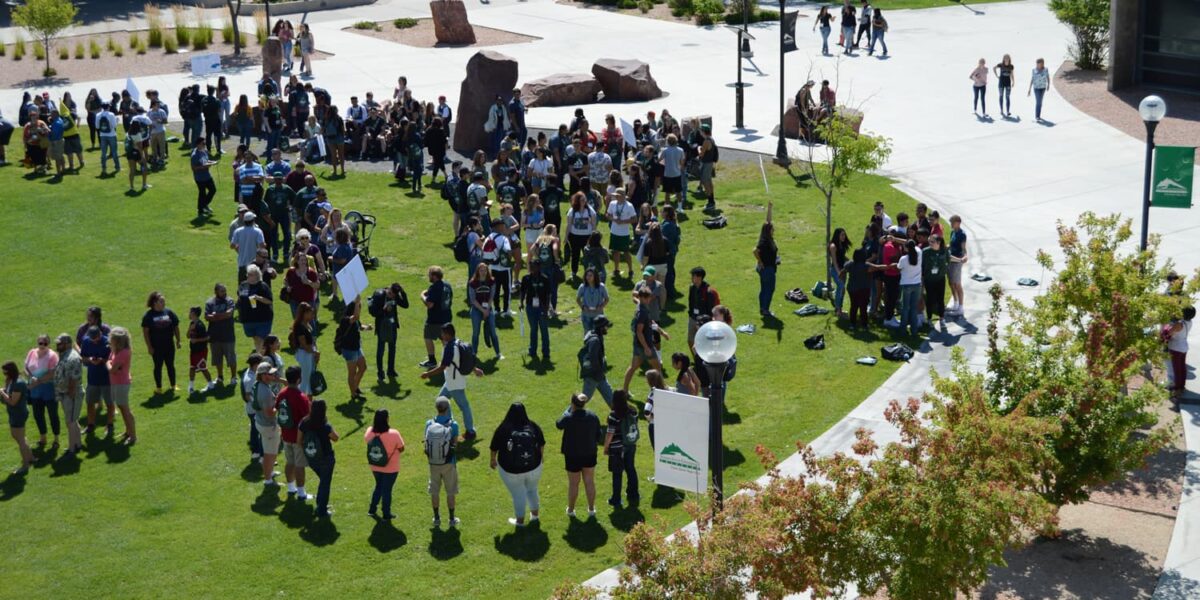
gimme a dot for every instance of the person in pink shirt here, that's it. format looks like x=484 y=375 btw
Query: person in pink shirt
x=384 y=446
x=39 y=367
x=119 y=359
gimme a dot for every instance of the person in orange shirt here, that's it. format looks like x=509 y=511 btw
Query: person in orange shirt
x=384 y=446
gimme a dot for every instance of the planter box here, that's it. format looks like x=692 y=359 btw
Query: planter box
x=286 y=7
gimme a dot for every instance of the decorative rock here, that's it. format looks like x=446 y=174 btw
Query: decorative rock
x=625 y=80
x=791 y=119
x=687 y=124
x=488 y=73
x=450 y=24
x=561 y=89
x=272 y=59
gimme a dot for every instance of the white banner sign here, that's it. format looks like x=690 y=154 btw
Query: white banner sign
x=629 y=134
x=206 y=64
x=352 y=280
x=681 y=441
x=133 y=90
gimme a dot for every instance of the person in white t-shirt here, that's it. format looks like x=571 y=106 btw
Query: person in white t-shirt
x=499 y=256
x=620 y=215
x=910 y=288
x=1177 y=347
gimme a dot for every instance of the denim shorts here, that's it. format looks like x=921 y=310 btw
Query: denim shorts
x=258 y=330
x=352 y=355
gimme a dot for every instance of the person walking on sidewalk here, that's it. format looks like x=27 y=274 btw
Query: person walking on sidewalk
x=1005 y=78
x=879 y=27
x=864 y=23
x=1039 y=82
x=848 y=19
x=824 y=20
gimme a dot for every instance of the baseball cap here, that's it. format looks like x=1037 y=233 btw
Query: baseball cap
x=648 y=271
x=249 y=216
x=264 y=367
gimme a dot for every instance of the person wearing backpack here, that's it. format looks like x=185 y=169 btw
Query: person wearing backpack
x=292 y=406
x=106 y=125
x=620 y=446
x=517 y=449
x=581 y=436
x=499 y=254
x=535 y=301
x=317 y=436
x=384 y=446
x=481 y=290
x=592 y=362
x=383 y=306
x=458 y=362
x=262 y=401
x=441 y=438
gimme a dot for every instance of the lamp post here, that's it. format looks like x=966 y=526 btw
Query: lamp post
x=716 y=343
x=1152 y=109
x=781 y=155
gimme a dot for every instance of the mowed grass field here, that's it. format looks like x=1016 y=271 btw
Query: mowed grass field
x=183 y=514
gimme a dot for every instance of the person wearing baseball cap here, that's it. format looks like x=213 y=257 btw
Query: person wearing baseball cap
x=581 y=436
x=262 y=401
x=279 y=199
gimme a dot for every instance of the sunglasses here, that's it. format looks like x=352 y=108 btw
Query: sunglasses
x=43 y=343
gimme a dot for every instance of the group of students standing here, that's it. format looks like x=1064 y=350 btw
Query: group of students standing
x=1006 y=79
x=868 y=21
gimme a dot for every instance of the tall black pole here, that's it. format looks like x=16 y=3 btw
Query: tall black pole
x=1150 y=126
x=716 y=412
x=781 y=156
x=739 y=120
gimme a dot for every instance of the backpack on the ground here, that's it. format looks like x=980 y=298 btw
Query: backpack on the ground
x=466 y=358
x=438 y=440
x=313 y=449
x=629 y=429
x=376 y=453
x=816 y=342
x=283 y=415
x=522 y=444
x=897 y=351
x=462 y=251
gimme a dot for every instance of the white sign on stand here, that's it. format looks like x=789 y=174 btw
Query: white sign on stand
x=206 y=64
x=352 y=280
x=681 y=441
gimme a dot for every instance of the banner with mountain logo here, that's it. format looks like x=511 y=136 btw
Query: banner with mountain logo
x=681 y=441
x=1172 y=183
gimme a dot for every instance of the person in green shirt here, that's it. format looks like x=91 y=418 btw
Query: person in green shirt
x=280 y=200
x=935 y=262
x=14 y=395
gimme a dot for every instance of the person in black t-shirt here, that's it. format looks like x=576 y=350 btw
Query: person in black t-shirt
x=645 y=337
x=535 y=300
x=160 y=327
x=438 y=299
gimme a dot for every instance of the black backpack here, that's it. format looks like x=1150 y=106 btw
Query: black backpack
x=376 y=452
x=462 y=251
x=466 y=358
x=375 y=304
x=313 y=449
x=522 y=446
x=897 y=351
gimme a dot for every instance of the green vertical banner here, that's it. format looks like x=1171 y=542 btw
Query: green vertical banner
x=1172 y=183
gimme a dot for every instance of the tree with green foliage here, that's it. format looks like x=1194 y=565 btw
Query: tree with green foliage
x=845 y=153
x=1071 y=355
x=1088 y=20
x=45 y=19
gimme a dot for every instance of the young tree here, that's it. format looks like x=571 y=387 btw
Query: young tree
x=45 y=19
x=847 y=153
x=235 y=7
x=1088 y=20
x=1071 y=355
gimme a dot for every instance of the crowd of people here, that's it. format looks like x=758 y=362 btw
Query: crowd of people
x=1006 y=80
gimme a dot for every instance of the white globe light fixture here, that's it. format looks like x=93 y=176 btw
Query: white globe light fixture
x=1152 y=110
x=716 y=342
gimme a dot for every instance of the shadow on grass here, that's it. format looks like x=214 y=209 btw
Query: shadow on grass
x=160 y=400
x=626 y=517
x=267 y=501
x=772 y=323
x=537 y=365
x=353 y=410
x=585 y=536
x=12 y=487
x=320 y=532
x=526 y=544
x=116 y=452
x=385 y=537
x=252 y=472
x=390 y=389
x=295 y=513
x=67 y=464
x=665 y=497
x=445 y=544
x=733 y=457
x=466 y=450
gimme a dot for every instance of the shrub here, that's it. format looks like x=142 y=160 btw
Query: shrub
x=39 y=51
x=202 y=37
x=93 y=48
x=404 y=23
x=645 y=5
x=111 y=44
x=170 y=46
x=80 y=51
x=366 y=26
x=261 y=29
x=681 y=8
x=627 y=4
x=227 y=31
x=154 y=25
x=141 y=47
x=118 y=52
x=64 y=53
x=183 y=36
x=1088 y=20
x=19 y=48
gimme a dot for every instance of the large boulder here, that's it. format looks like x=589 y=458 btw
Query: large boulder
x=488 y=73
x=272 y=59
x=450 y=24
x=625 y=80
x=561 y=89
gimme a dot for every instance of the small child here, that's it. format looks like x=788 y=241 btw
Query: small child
x=198 y=351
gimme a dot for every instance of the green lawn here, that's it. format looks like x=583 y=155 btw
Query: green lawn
x=182 y=512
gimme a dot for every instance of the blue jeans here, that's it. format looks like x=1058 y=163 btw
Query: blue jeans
x=276 y=248
x=245 y=131
x=591 y=385
x=538 y=322
x=621 y=462
x=324 y=470
x=980 y=98
x=255 y=438
x=877 y=36
x=839 y=288
x=825 y=31
x=272 y=140
x=193 y=130
x=489 y=332
x=383 y=491
x=848 y=38
x=108 y=145
x=387 y=342
x=910 y=298
x=460 y=398
x=1038 y=93
x=683 y=183
x=305 y=360
x=494 y=139
x=287 y=60
x=1005 y=92
x=766 y=287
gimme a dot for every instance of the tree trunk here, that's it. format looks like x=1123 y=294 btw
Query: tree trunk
x=828 y=233
x=267 y=5
x=237 y=35
x=46 y=45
